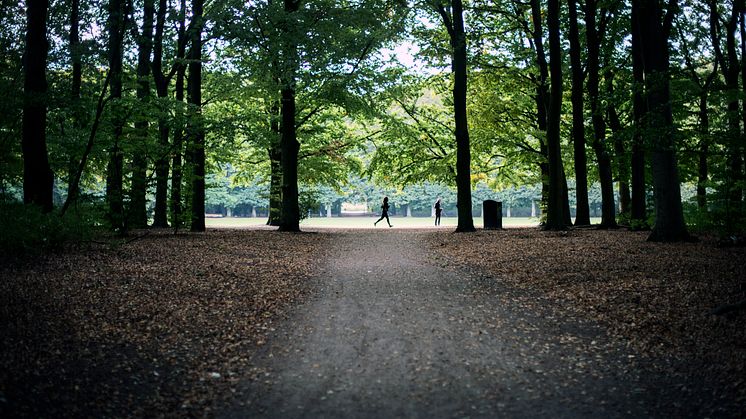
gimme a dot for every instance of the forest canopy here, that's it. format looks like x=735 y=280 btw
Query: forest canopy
x=128 y=114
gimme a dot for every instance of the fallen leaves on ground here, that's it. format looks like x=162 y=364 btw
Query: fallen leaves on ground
x=163 y=325
x=654 y=297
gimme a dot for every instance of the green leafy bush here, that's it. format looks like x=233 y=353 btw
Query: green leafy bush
x=26 y=229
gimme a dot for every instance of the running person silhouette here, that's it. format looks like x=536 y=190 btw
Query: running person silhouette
x=384 y=212
x=438 y=210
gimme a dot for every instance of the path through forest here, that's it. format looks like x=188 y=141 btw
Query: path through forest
x=390 y=332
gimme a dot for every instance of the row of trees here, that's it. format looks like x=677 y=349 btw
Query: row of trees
x=132 y=96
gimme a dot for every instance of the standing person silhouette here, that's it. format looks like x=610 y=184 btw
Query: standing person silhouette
x=438 y=210
x=384 y=212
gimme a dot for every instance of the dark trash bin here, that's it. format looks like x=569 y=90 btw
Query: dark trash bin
x=493 y=214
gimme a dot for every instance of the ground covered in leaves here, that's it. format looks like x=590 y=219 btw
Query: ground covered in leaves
x=159 y=325
x=656 y=298
x=166 y=325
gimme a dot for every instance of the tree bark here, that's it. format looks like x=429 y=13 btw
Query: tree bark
x=76 y=82
x=463 y=151
x=730 y=68
x=639 y=109
x=160 y=216
x=275 y=184
x=669 y=216
x=178 y=142
x=289 y=146
x=603 y=158
x=555 y=217
x=138 y=217
x=196 y=127
x=114 y=193
x=582 y=210
x=74 y=185
x=622 y=159
x=38 y=178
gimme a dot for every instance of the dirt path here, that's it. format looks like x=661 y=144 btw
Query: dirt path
x=391 y=333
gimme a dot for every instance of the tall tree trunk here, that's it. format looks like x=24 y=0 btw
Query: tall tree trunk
x=275 y=185
x=463 y=151
x=582 y=210
x=289 y=146
x=196 y=124
x=178 y=143
x=555 y=216
x=138 y=217
x=75 y=53
x=275 y=162
x=38 y=178
x=622 y=159
x=78 y=172
x=76 y=82
x=704 y=142
x=638 y=216
x=114 y=193
x=741 y=145
x=603 y=158
x=730 y=67
x=160 y=216
x=669 y=215
x=542 y=96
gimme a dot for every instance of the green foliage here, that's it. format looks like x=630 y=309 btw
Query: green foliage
x=26 y=230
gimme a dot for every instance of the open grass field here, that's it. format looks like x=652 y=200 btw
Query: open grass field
x=365 y=222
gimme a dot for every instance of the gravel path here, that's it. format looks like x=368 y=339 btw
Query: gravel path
x=391 y=333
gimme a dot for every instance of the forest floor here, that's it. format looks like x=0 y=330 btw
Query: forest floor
x=373 y=323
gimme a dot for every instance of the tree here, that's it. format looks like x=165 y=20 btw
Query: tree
x=196 y=128
x=730 y=67
x=161 y=80
x=453 y=20
x=37 y=176
x=582 y=211
x=138 y=217
x=594 y=36
x=178 y=141
x=638 y=216
x=289 y=145
x=655 y=29
x=114 y=191
x=555 y=217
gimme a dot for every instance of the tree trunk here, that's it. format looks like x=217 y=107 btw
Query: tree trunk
x=72 y=191
x=178 y=145
x=704 y=151
x=603 y=158
x=76 y=82
x=582 y=210
x=463 y=150
x=114 y=193
x=38 y=178
x=275 y=185
x=275 y=165
x=730 y=68
x=290 y=212
x=622 y=159
x=555 y=211
x=669 y=217
x=138 y=217
x=160 y=216
x=196 y=127
x=289 y=146
x=542 y=96
x=639 y=109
